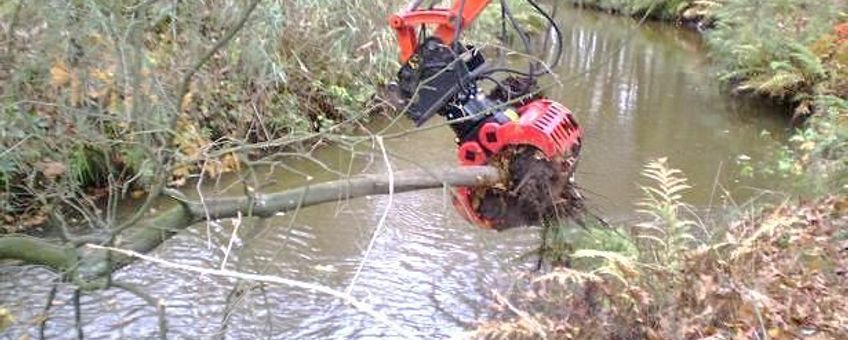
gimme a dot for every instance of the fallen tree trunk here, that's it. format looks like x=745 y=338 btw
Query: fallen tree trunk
x=90 y=267
x=32 y=250
x=367 y=185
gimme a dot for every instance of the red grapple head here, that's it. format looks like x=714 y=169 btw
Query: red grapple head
x=544 y=124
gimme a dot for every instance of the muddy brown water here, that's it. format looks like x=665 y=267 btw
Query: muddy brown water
x=639 y=93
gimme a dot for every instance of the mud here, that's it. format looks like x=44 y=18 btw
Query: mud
x=538 y=190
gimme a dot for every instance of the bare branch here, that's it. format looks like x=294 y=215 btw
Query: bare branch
x=42 y=323
x=154 y=302
x=36 y=251
x=391 y=177
x=363 y=307
x=186 y=82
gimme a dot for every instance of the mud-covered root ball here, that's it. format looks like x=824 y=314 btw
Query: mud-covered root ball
x=536 y=189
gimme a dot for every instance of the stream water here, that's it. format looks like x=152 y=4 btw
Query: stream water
x=639 y=93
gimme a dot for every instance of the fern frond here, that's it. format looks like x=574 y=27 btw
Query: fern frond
x=615 y=265
x=564 y=276
x=649 y=226
x=734 y=75
x=807 y=62
x=611 y=272
x=604 y=255
x=662 y=204
x=780 y=84
x=781 y=65
x=654 y=239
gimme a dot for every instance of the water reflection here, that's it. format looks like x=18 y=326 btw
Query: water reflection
x=647 y=92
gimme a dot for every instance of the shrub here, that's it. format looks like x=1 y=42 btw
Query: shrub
x=776 y=273
x=95 y=86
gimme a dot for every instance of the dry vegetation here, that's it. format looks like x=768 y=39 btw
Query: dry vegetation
x=767 y=271
x=779 y=273
x=106 y=100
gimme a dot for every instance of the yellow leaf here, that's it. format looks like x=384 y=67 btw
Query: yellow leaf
x=746 y=313
x=181 y=171
x=231 y=163
x=97 y=93
x=50 y=169
x=212 y=169
x=841 y=206
x=137 y=194
x=186 y=101
x=6 y=319
x=178 y=182
x=102 y=75
x=807 y=146
x=59 y=75
x=76 y=90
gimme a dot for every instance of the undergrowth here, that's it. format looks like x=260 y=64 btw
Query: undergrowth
x=778 y=274
x=90 y=89
x=764 y=47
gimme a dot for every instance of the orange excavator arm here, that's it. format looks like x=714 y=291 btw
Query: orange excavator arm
x=406 y=23
x=440 y=76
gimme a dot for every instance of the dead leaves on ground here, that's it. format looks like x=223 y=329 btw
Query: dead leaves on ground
x=50 y=169
x=781 y=275
x=783 y=279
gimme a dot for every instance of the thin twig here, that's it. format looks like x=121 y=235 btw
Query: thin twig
x=713 y=191
x=522 y=314
x=154 y=302
x=16 y=14
x=381 y=224
x=268 y=315
x=15 y=146
x=186 y=82
x=232 y=305
x=78 y=313
x=236 y=224
x=42 y=324
x=361 y=306
x=199 y=188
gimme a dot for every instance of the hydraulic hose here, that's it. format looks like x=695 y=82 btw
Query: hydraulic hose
x=521 y=34
x=532 y=73
x=556 y=28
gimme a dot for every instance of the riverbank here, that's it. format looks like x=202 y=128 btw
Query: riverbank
x=669 y=277
x=788 y=51
x=101 y=102
x=771 y=269
x=777 y=274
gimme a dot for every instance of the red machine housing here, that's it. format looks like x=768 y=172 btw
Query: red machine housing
x=544 y=124
x=541 y=123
